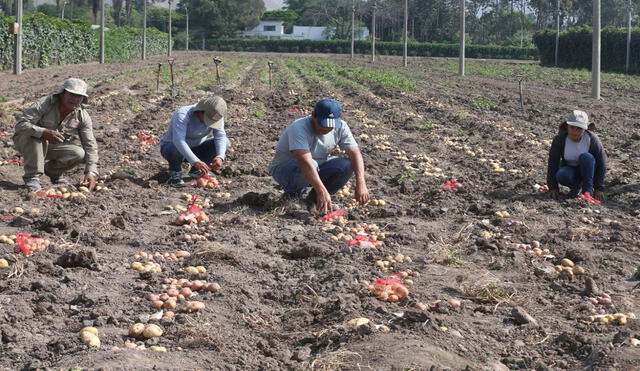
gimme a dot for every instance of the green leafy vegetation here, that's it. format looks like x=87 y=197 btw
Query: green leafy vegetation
x=364 y=47
x=53 y=41
x=484 y=103
x=426 y=125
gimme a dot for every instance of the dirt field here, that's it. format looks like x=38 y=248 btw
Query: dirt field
x=290 y=283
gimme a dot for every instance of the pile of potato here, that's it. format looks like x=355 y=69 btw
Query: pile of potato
x=146 y=267
x=391 y=292
x=178 y=255
x=195 y=237
x=9 y=240
x=147 y=331
x=195 y=270
x=89 y=336
x=388 y=264
x=375 y=202
x=32 y=244
x=207 y=182
x=617 y=318
x=533 y=248
x=566 y=265
x=192 y=218
x=453 y=303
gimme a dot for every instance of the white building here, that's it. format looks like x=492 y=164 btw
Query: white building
x=275 y=30
x=270 y=29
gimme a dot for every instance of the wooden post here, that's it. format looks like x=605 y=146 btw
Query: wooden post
x=373 y=32
x=595 y=57
x=557 y=31
x=353 y=27
x=462 y=38
x=101 y=31
x=144 y=30
x=217 y=62
x=158 y=77
x=17 y=48
x=186 y=42
x=406 y=33
x=520 y=83
x=171 y=60
x=169 y=47
x=629 y=16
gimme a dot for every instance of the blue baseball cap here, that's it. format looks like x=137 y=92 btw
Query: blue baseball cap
x=328 y=113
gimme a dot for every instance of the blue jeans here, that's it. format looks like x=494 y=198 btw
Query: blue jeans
x=578 y=177
x=334 y=174
x=205 y=152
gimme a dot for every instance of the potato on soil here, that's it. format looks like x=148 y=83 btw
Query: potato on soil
x=152 y=331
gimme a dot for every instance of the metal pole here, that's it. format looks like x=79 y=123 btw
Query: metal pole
x=144 y=30
x=628 y=38
x=595 y=58
x=186 y=43
x=169 y=45
x=17 y=50
x=353 y=27
x=462 y=38
x=373 y=32
x=557 y=30
x=406 y=32
x=101 y=31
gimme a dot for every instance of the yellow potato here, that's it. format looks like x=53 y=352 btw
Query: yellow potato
x=4 y=263
x=136 y=330
x=566 y=263
x=152 y=331
x=91 y=330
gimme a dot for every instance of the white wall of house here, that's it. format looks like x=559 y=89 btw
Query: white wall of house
x=308 y=33
x=275 y=30
x=271 y=29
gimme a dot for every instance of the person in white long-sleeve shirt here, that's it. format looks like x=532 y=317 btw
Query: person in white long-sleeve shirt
x=196 y=135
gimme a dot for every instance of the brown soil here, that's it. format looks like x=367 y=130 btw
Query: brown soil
x=288 y=289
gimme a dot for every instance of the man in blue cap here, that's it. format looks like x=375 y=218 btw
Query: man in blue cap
x=304 y=157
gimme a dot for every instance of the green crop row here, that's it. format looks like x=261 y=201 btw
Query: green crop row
x=50 y=41
x=574 y=48
x=364 y=47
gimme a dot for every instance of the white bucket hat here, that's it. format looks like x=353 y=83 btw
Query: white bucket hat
x=75 y=86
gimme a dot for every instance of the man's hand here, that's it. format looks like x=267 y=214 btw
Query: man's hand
x=362 y=194
x=216 y=164
x=202 y=168
x=89 y=180
x=554 y=193
x=598 y=195
x=52 y=136
x=323 y=203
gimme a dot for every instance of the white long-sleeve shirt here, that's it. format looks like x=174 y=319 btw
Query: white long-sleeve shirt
x=187 y=131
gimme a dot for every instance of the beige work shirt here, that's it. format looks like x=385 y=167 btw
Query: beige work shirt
x=77 y=127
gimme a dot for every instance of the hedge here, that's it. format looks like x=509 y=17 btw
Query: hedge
x=364 y=47
x=50 y=41
x=575 y=48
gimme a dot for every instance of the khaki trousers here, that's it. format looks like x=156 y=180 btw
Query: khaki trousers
x=41 y=157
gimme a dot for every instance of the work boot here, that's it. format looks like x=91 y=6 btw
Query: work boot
x=175 y=179
x=58 y=180
x=33 y=184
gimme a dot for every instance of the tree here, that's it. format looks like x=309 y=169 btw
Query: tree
x=223 y=18
x=289 y=17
